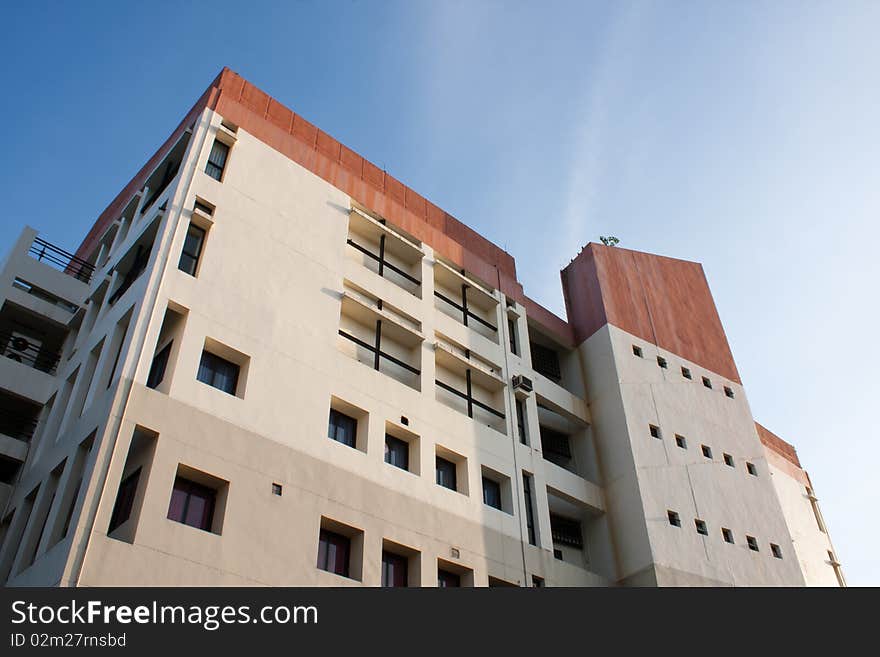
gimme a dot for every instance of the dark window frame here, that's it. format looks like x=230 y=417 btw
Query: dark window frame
x=492 y=493
x=342 y=546
x=193 y=490
x=449 y=468
x=342 y=423
x=395 y=570
x=124 y=503
x=194 y=258
x=215 y=167
x=158 y=366
x=215 y=365
x=396 y=452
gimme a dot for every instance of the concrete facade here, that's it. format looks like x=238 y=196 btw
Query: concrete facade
x=330 y=287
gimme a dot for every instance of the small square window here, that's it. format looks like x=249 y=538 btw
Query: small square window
x=218 y=372
x=752 y=470
x=662 y=362
x=396 y=452
x=637 y=351
x=681 y=441
x=655 y=431
x=557 y=554
x=707 y=451
x=276 y=489
x=537 y=582
x=686 y=373
x=776 y=550
x=753 y=543
x=707 y=382
x=674 y=519
x=197 y=500
x=701 y=527
x=727 y=534
x=729 y=392
x=334 y=552
x=446 y=473
x=342 y=428
x=491 y=493
x=728 y=460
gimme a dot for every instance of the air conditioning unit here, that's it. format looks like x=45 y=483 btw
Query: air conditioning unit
x=21 y=347
x=522 y=383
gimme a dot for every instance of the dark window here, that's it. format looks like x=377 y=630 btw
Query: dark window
x=157 y=369
x=514 y=346
x=752 y=469
x=333 y=552
x=546 y=361
x=707 y=382
x=192 y=250
x=394 y=569
x=566 y=531
x=557 y=554
x=218 y=372
x=727 y=534
x=686 y=373
x=537 y=582
x=674 y=520
x=445 y=579
x=116 y=357
x=637 y=351
x=555 y=445
x=124 y=500
x=192 y=504
x=276 y=489
x=681 y=441
x=8 y=469
x=655 y=431
x=753 y=543
x=530 y=514
x=701 y=527
x=446 y=474
x=707 y=451
x=491 y=493
x=70 y=509
x=204 y=208
x=728 y=460
x=521 y=422
x=662 y=362
x=342 y=428
x=776 y=550
x=729 y=392
x=217 y=160
x=397 y=452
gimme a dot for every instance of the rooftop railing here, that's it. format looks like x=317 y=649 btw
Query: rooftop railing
x=62 y=260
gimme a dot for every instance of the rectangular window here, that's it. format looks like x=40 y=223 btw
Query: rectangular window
x=192 y=504
x=530 y=514
x=446 y=474
x=681 y=441
x=546 y=362
x=776 y=550
x=446 y=579
x=662 y=362
x=707 y=451
x=491 y=493
x=701 y=527
x=727 y=534
x=707 y=382
x=686 y=373
x=637 y=351
x=124 y=500
x=729 y=392
x=728 y=460
x=394 y=570
x=217 y=160
x=342 y=428
x=514 y=343
x=333 y=552
x=752 y=470
x=157 y=368
x=674 y=519
x=192 y=250
x=655 y=431
x=753 y=543
x=396 y=452
x=218 y=372
x=521 y=422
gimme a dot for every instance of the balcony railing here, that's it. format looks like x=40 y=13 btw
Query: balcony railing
x=20 y=349
x=17 y=425
x=62 y=260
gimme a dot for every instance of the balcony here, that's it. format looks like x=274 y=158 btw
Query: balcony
x=62 y=260
x=385 y=251
x=29 y=339
x=566 y=441
x=466 y=300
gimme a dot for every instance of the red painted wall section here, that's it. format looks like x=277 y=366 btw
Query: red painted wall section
x=243 y=104
x=662 y=300
x=777 y=444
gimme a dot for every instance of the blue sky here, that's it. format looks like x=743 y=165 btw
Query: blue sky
x=741 y=135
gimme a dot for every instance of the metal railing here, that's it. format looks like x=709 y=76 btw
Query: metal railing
x=19 y=348
x=17 y=425
x=62 y=260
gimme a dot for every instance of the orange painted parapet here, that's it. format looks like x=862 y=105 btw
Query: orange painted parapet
x=777 y=444
x=662 y=300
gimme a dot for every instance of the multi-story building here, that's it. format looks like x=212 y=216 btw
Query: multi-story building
x=270 y=362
